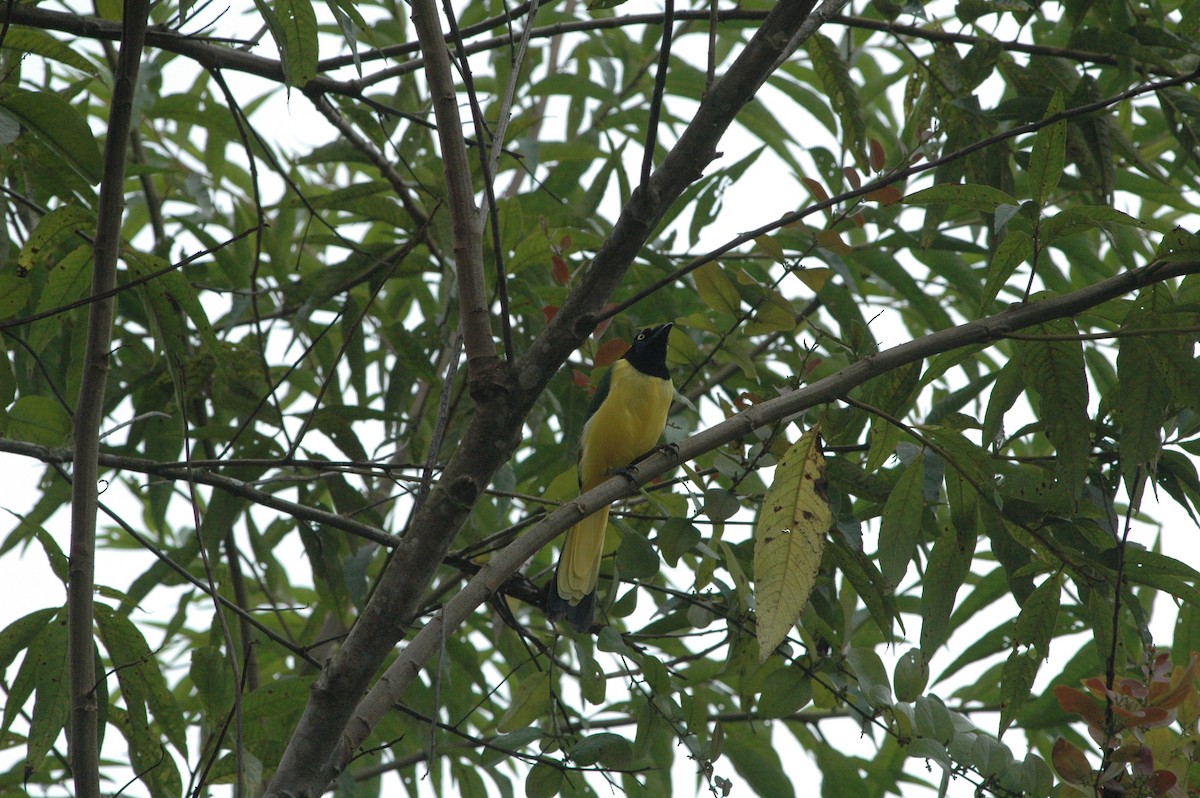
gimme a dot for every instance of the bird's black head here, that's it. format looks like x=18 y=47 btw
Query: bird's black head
x=649 y=351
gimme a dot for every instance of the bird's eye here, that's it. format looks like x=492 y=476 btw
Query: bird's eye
x=641 y=336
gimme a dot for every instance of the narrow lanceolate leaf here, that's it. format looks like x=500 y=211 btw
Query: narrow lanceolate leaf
x=139 y=675
x=1054 y=370
x=789 y=540
x=29 y=40
x=842 y=91
x=298 y=22
x=948 y=564
x=973 y=196
x=60 y=127
x=1144 y=387
x=1016 y=680
x=1039 y=615
x=1014 y=250
x=63 y=221
x=47 y=659
x=1049 y=154
x=1142 y=396
x=900 y=529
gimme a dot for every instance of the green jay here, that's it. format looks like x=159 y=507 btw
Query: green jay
x=626 y=418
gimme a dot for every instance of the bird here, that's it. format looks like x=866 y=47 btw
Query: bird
x=625 y=420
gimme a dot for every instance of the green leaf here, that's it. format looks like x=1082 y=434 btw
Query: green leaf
x=39 y=420
x=1015 y=249
x=14 y=293
x=543 y=781
x=530 y=701
x=24 y=634
x=1049 y=153
x=900 y=527
x=1142 y=396
x=1016 y=681
x=213 y=678
x=47 y=656
x=63 y=221
x=636 y=557
x=1055 y=370
x=58 y=561
x=1080 y=218
x=31 y=40
x=298 y=47
x=608 y=749
x=70 y=279
x=139 y=674
x=756 y=761
x=786 y=691
x=1039 y=615
x=60 y=127
x=1178 y=243
x=716 y=290
x=842 y=90
x=948 y=564
x=675 y=538
x=1159 y=571
x=971 y=196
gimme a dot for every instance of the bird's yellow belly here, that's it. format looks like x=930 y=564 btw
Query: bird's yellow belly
x=627 y=424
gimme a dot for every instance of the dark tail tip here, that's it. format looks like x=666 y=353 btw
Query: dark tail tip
x=579 y=615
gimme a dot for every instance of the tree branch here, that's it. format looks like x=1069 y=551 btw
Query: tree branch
x=314 y=755
x=501 y=566
x=89 y=412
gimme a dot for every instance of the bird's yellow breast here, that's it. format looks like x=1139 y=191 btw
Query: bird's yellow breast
x=627 y=424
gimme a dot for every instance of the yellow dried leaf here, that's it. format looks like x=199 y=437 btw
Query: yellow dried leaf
x=789 y=540
x=832 y=241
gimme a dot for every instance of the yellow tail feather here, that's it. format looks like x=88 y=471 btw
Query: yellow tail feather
x=579 y=564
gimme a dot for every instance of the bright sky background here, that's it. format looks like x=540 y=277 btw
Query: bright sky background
x=30 y=585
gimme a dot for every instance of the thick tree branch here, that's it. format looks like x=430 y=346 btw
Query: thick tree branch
x=89 y=412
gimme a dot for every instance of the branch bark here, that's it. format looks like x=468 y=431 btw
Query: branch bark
x=89 y=412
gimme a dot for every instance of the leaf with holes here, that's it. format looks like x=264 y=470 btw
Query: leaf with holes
x=789 y=540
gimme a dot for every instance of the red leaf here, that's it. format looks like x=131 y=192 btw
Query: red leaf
x=602 y=326
x=1079 y=703
x=818 y=191
x=561 y=271
x=581 y=379
x=878 y=156
x=1183 y=686
x=1163 y=780
x=886 y=195
x=852 y=176
x=1070 y=763
x=745 y=400
x=564 y=243
x=550 y=311
x=610 y=351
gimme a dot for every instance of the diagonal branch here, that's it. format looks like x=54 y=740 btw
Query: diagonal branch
x=501 y=566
